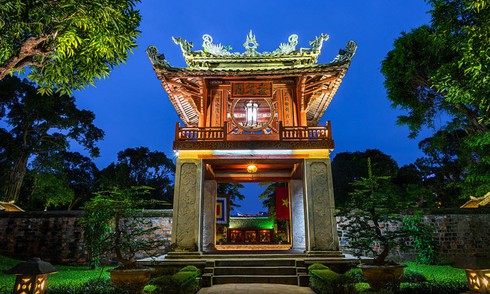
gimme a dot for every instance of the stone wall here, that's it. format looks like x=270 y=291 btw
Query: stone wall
x=460 y=233
x=58 y=237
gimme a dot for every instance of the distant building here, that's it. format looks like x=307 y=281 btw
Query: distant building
x=9 y=206
x=475 y=202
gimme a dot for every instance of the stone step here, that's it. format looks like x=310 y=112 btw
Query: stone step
x=249 y=279
x=254 y=262
x=260 y=270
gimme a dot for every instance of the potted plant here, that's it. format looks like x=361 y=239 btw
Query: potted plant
x=113 y=225
x=374 y=228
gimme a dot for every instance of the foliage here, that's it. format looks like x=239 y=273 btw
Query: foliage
x=79 y=174
x=232 y=189
x=112 y=215
x=35 y=124
x=190 y=268
x=441 y=71
x=141 y=167
x=423 y=241
x=442 y=287
x=317 y=266
x=95 y=286
x=183 y=282
x=412 y=276
x=52 y=189
x=372 y=203
x=350 y=166
x=326 y=281
x=66 y=44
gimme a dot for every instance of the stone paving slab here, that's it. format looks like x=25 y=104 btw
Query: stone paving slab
x=256 y=289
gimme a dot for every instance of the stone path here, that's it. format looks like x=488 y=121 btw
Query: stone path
x=256 y=289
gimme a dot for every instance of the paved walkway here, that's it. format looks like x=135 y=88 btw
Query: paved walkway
x=256 y=289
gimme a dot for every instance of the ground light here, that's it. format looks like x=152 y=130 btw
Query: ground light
x=477 y=270
x=32 y=276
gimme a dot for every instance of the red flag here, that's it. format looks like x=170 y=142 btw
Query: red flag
x=282 y=203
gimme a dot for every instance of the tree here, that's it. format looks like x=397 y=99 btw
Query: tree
x=442 y=70
x=36 y=124
x=141 y=167
x=66 y=44
x=232 y=189
x=63 y=178
x=350 y=166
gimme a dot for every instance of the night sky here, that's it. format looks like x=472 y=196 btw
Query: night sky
x=133 y=109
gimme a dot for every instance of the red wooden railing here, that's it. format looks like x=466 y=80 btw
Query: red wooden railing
x=288 y=133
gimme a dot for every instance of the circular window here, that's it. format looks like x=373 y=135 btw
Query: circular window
x=252 y=114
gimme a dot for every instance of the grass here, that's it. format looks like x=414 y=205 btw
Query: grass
x=439 y=273
x=67 y=275
x=77 y=275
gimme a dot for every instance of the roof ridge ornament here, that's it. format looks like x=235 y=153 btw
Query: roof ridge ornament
x=286 y=48
x=185 y=46
x=251 y=45
x=347 y=53
x=214 y=49
x=316 y=45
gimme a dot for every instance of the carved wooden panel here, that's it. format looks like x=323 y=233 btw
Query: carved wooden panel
x=216 y=115
x=287 y=107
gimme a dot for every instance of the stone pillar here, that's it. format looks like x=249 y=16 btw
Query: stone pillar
x=321 y=226
x=186 y=226
x=209 y=215
x=297 y=215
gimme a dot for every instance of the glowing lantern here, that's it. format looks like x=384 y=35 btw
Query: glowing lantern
x=251 y=112
x=251 y=168
x=478 y=280
x=477 y=270
x=32 y=276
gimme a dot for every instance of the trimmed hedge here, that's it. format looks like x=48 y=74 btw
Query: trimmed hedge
x=325 y=281
x=183 y=282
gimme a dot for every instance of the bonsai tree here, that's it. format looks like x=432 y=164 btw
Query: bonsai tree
x=373 y=203
x=112 y=224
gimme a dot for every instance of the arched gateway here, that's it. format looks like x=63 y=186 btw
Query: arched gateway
x=253 y=109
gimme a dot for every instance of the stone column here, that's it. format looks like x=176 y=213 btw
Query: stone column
x=297 y=215
x=186 y=226
x=209 y=215
x=321 y=225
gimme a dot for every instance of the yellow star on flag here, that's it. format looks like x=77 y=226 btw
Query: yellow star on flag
x=285 y=202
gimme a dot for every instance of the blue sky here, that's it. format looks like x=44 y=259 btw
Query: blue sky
x=133 y=109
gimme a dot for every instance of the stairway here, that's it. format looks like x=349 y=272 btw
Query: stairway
x=273 y=271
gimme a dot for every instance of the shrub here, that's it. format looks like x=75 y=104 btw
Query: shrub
x=356 y=275
x=190 y=268
x=326 y=281
x=96 y=286
x=441 y=287
x=411 y=276
x=317 y=266
x=423 y=242
x=183 y=282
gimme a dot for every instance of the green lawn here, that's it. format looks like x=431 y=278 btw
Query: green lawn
x=439 y=273
x=67 y=274
x=76 y=275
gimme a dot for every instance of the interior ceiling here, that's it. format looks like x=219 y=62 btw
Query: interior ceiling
x=268 y=170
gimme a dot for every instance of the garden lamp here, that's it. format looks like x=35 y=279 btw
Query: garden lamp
x=31 y=276
x=477 y=270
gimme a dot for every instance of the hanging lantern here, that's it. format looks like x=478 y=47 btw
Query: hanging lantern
x=251 y=109
x=251 y=168
x=32 y=276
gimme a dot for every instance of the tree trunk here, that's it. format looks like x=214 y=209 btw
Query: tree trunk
x=31 y=48
x=16 y=178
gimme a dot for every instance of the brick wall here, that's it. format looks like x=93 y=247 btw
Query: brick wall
x=459 y=233
x=58 y=237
